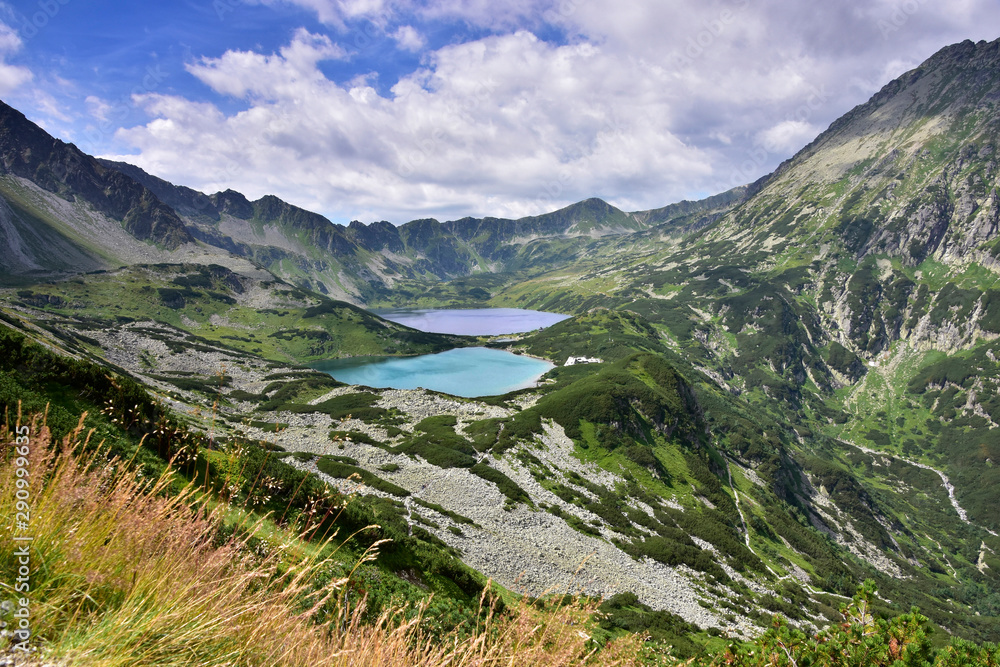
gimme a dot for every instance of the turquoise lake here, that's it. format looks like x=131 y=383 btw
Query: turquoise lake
x=472 y=321
x=469 y=371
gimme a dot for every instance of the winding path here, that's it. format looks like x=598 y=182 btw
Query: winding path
x=746 y=536
x=949 y=487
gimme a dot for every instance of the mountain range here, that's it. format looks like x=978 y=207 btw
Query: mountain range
x=48 y=182
x=798 y=385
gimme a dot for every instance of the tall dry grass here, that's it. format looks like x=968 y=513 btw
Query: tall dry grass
x=125 y=572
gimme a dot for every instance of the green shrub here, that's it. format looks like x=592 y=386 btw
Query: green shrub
x=287 y=391
x=624 y=611
x=354 y=436
x=339 y=467
x=356 y=406
x=576 y=523
x=506 y=485
x=454 y=516
x=435 y=440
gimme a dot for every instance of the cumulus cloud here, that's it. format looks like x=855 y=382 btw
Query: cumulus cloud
x=336 y=12
x=643 y=103
x=276 y=76
x=787 y=136
x=12 y=77
x=409 y=39
x=508 y=125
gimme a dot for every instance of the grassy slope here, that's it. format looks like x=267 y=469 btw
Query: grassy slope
x=289 y=324
x=155 y=553
x=614 y=336
x=773 y=351
x=47 y=239
x=173 y=576
x=37 y=380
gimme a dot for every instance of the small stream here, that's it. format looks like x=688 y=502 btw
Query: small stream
x=949 y=487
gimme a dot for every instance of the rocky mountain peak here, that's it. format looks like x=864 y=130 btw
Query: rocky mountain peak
x=233 y=203
x=909 y=173
x=29 y=152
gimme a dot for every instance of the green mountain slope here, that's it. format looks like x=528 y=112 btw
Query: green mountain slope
x=795 y=388
x=257 y=315
x=853 y=298
x=370 y=263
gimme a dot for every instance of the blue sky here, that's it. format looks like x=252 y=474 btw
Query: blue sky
x=398 y=109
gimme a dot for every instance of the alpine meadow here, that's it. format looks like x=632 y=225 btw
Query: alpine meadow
x=771 y=435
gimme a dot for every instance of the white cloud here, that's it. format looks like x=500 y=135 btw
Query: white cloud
x=245 y=73
x=337 y=12
x=484 y=13
x=12 y=77
x=508 y=119
x=510 y=14
x=98 y=108
x=409 y=39
x=644 y=103
x=10 y=41
x=787 y=136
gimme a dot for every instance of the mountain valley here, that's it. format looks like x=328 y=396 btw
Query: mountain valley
x=797 y=388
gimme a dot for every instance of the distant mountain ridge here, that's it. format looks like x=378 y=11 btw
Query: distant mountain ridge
x=42 y=175
x=381 y=252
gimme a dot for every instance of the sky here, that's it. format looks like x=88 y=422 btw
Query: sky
x=402 y=109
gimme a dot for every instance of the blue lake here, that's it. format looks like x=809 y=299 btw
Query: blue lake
x=467 y=371
x=473 y=321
